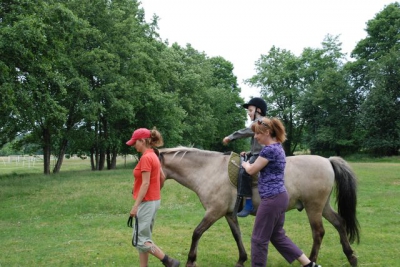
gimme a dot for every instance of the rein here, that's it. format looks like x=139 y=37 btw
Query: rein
x=135 y=235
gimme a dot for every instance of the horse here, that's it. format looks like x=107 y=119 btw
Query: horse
x=309 y=180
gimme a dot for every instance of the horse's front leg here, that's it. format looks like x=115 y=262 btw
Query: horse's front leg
x=234 y=225
x=197 y=233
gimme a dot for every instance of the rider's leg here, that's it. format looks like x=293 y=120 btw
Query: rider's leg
x=245 y=184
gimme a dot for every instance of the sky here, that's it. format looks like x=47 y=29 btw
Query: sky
x=241 y=31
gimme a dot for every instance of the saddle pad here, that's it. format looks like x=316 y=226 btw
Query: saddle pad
x=233 y=170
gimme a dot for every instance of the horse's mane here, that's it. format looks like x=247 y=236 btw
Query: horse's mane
x=185 y=150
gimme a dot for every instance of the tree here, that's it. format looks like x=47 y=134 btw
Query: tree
x=189 y=77
x=280 y=85
x=79 y=77
x=329 y=103
x=333 y=127
x=226 y=105
x=377 y=58
x=120 y=75
x=72 y=74
x=34 y=50
x=380 y=110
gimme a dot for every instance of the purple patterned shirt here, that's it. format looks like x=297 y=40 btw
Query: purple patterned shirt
x=270 y=179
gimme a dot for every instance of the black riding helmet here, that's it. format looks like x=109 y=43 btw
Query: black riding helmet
x=258 y=103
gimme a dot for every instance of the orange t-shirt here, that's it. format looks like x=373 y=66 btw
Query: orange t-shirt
x=149 y=162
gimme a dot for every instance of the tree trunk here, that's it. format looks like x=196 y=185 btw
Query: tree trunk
x=108 y=159
x=104 y=151
x=96 y=159
x=102 y=159
x=92 y=160
x=96 y=149
x=287 y=147
x=60 y=157
x=46 y=151
x=111 y=159
x=114 y=160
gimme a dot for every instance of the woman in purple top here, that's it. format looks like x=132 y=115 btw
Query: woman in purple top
x=268 y=225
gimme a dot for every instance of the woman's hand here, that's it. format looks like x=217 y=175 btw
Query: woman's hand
x=245 y=164
x=134 y=211
x=226 y=140
x=256 y=166
x=243 y=154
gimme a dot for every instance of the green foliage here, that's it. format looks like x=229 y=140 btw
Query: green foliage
x=329 y=103
x=81 y=76
x=279 y=81
x=377 y=63
x=333 y=107
x=7 y=150
x=313 y=97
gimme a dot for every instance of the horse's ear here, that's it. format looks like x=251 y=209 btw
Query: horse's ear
x=159 y=155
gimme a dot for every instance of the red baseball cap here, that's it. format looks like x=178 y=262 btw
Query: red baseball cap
x=140 y=133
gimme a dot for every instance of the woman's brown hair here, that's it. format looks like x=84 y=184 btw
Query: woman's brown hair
x=273 y=125
x=155 y=140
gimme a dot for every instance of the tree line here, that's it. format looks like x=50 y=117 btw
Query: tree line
x=330 y=105
x=80 y=76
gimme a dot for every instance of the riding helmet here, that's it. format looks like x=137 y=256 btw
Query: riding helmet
x=258 y=103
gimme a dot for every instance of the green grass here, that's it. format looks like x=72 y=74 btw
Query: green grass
x=78 y=218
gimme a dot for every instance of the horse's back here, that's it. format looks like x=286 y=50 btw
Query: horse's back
x=308 y=178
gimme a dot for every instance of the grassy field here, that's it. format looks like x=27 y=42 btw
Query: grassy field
x=78 y=218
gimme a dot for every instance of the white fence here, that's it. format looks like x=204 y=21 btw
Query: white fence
x=30 y=161
x=21 y=160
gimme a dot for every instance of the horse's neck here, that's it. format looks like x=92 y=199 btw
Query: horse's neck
x=192 y=172
x=180 y=171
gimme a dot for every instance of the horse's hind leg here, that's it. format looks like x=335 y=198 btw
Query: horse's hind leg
x=335 y=219
x=318 y=233
x=234 y=225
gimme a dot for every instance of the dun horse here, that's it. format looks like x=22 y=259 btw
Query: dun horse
x=309 y=181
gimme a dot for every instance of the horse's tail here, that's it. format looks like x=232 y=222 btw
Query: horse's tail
x=346 y=196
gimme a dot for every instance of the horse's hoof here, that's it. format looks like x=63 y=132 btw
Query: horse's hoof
x=191 y=264
x=239 y=264
x=353 y=261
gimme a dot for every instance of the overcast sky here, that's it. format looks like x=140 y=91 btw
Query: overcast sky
x=241 y=31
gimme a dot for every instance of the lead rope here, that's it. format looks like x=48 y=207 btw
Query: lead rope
x=135 y=234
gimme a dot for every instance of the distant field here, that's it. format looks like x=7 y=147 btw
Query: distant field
x=78 y=218
x=34 y=164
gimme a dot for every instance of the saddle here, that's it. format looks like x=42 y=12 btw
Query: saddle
x=233 y=170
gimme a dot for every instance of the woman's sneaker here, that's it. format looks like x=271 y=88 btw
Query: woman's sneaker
x=312 y=264
x=172 y=263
